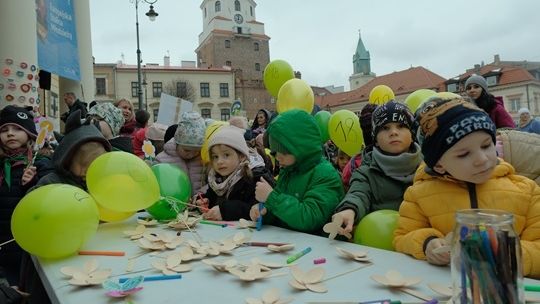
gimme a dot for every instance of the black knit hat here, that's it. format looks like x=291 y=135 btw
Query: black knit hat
x=444 y=122
x=390 y=112
x=21 y=117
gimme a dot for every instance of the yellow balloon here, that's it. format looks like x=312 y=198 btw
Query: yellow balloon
x=276 y=74
x=295 y=94
x=344 y=130
x=417 y=98
x=55 y=220
x=210 y=130
x=122 y=182
x=381 y=94
x=107 y=215
x=447 y=95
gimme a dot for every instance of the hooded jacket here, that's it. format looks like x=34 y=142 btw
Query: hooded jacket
x=521 y=150
x=430 y=205
x=308 y=191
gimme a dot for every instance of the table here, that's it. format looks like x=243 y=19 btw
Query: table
x=205 y=285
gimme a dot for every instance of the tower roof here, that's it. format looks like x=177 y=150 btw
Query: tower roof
x=361 y=51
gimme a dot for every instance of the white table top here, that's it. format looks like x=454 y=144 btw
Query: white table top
x=205 y=285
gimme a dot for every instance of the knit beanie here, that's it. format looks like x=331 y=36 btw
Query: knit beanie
x=365 y=123
x=479 y=80
x=13 y=115
x=444 y=122
x=390 y=112
x=230 y=136
x=190 y=132
x=156 y=131
x=523 y=110
x=110 y=114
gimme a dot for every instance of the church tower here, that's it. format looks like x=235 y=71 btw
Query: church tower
x=361 y=66
x=232 y=37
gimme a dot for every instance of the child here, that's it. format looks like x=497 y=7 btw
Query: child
x=184 y=150
x=231 y=191
x=461 y=171
x=141 y=117
x=155 y=134
x=387 y=169
x=308 y=188
x=342 y=159
x=108 y=119
x=17 y=175
x=79 y=147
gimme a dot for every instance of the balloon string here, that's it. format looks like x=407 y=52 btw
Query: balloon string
x=173 y=201
x=7 y=242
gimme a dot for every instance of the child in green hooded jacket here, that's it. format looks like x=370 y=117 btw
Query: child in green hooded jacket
x=308 y=188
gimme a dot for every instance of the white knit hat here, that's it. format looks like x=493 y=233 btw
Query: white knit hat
x=523 y=110
x=232 y=137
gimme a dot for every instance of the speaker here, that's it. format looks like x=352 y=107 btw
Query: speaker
x=44 y=80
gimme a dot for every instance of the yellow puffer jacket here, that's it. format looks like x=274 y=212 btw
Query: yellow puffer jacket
x=430 y=205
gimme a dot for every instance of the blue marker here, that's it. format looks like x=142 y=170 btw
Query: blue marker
x=155 y=278
x=259 y=219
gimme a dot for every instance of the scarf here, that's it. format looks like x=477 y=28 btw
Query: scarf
x=128 y=128
x=224 y=187
x=399 y=167
x=14 y=158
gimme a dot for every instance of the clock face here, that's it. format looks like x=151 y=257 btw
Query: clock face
x=238 y=18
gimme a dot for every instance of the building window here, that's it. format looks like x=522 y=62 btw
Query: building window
x=256 y=46
x=228 y=63
x=237 y=5
x=491 y=80
x=155 y=111
x=239 y=30
x=223 y=90
x=515 y=104
x=257 y=66
x=134 y=89
x=157 y=88
x=181 y=89
x=218 y=6
x=206 y=113
x=225 y=114
x=205 y=89
x=205 y=12
x=251 y=10
x=452 y=87
x=101 y=88
x=227 y=44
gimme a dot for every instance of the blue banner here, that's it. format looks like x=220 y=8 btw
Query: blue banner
x=57 y=38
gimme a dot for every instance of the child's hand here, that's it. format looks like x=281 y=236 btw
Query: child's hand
x=28 y=175
x=441 y=258
x=348 y=219
x=254 y=212
x=262 y=190
x=213 y=214
x=202 y=204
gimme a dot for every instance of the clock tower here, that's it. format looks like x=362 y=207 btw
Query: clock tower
x=232 y=37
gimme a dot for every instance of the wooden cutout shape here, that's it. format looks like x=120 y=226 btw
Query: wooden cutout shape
x=137 y=233
x=441 y=289
x=221 y=266
x=446 y=248
x=335 y=227
x=148 y=149
x=160 y=241
x=280 y=248
x=268 y=265
x=187 y=254
x=172 y=265
x=251 y=273
x=120 y=290
x=88 y=275
x=312 y=280
x=393 y=278
x=147 y=222
x=184 y=221
x=243 y=224
x=271 y=296
x=360 y=256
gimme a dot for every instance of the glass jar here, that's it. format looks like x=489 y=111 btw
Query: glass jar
x=486 y=258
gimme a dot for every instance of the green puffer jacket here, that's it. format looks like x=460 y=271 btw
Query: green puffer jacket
x=307 y=192
x=371 y=190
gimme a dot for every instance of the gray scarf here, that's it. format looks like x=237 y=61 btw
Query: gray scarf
x=222 y=187
x=399 y=167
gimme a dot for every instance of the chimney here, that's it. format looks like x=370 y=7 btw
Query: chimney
x=166 y=61
x=497 y=59
x=477 y=68
x=297 y=74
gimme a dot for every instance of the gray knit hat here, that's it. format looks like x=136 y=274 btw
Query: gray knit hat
x=479 y=80
x=110 y=114
x=190 y=131
x=230 y=136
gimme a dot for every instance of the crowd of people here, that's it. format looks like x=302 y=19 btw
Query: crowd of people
x=451 y=154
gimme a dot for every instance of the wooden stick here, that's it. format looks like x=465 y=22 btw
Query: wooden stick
x=347 y=272
x=99 y=252
x=416 y=294
x=6 y=242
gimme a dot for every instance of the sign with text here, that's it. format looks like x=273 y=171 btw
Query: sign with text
x=170 y=108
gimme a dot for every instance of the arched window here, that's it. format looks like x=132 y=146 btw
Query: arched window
x=256 y=46
x=227 y=44
x=218 y=6
x=237 y=5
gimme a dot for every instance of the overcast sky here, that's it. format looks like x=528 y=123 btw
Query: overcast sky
x=319 y=37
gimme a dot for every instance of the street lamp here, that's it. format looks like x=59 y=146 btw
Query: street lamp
x=152 y=16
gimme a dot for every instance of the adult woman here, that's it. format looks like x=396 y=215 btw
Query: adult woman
x=129 y=127
x=260 y=124
x=476 y=88
x=527 y=123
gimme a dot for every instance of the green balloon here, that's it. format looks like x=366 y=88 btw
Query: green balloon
x=322 y=118
x=377 y=229
x=173 y=183
x=276 y=74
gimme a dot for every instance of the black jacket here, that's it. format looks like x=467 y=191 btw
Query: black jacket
x=77 y=105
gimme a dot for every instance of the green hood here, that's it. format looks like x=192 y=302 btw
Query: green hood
x=298 y=133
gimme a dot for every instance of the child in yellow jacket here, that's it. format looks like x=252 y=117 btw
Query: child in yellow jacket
x=462 y=171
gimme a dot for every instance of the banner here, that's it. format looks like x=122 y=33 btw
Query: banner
x=170 y=108
x=57 y=38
